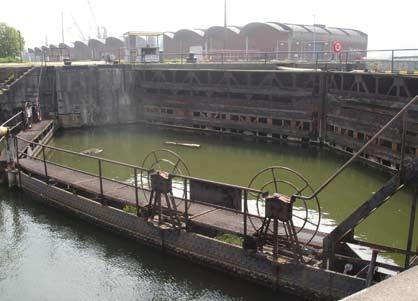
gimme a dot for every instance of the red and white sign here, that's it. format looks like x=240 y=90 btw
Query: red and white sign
x=337 y=47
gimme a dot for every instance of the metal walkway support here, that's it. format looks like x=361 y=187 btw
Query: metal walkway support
x=345 y=230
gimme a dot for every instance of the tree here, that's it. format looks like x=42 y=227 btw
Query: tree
x=11 y=42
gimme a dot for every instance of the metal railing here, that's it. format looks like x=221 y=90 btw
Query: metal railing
x=14 y=123
x=137 y=171
x=382 y=60
x=402 y=113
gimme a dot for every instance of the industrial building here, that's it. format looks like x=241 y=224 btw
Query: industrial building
x=288 y=41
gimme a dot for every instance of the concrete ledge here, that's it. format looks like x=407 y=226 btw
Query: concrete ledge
x=403 y=286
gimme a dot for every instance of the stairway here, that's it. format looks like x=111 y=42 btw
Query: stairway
x=11 y=77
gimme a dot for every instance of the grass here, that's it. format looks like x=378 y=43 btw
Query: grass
x=9 y=59
x=130 y=209
x=230 y=238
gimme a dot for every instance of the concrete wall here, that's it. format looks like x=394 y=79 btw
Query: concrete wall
x=342 y=109
x=88 y=96
x=13 y=98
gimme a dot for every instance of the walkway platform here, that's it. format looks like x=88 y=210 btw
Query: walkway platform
x=223 y=220
x=33 y=134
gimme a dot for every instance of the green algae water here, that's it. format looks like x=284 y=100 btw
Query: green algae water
x=48 y=255
x=232 y=160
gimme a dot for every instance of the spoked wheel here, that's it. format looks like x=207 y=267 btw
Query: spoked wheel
x=166 y=161
x=285 y=181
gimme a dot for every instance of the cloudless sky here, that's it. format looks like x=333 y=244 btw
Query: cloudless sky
x=389 y=24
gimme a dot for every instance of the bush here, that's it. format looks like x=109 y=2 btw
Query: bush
x=130 y=209
x=230 y=238
x=9 y=59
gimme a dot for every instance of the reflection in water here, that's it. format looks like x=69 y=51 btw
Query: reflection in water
x=49 y=255
x=11 y=238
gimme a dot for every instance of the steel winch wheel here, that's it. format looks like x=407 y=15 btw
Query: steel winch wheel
x=163 y=160
x=283 y=180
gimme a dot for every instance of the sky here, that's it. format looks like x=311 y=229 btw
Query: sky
x=389 y=24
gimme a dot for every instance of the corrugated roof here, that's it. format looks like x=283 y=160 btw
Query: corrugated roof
x=296 y=28
x=80 y=43
x=273 y=25
x=199 y=32
x=234 y=29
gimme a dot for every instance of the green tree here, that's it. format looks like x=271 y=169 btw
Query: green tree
x=11 y=42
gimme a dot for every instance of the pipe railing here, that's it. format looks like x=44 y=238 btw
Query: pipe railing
x=13 y=123
x=144 y=172
x=381 y=60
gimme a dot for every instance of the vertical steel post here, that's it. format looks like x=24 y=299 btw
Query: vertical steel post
x=136 y=191
x=392 y=68
x=100 y=179
x=265 y=58
x=17 y=160
x=372 y=265
x=411 y=227
x=245 y=212
x=186 y=209
x=17 y=150
x=346 y=61
x=44 y=160
x=275 y=238
x=160 y=208
x=403 y=139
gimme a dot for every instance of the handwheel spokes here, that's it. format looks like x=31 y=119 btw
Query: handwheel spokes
x=285 y=181
x=164 y=160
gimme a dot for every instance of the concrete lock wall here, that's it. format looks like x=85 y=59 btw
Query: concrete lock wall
x=88 y=96
x=339 y=108
x=25 y=88
x=218 y=255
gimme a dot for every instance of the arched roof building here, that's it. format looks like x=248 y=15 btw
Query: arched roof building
x=67 y=50
x=168 y=42
x=264 y=36
x=82 y=51
x=184 y=39
x=217 y=38
x=55 y=53
x=114 y=46
x=97 y=48
x=290 y=40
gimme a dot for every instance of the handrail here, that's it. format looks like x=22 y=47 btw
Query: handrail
x=11 y=118
x=140 y=168
x=359 y=152
x=6 y=123
x=81 y=154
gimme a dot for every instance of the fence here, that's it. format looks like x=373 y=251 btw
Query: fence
x=141 y=177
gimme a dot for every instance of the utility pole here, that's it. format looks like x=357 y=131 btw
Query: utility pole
x=225 y=25
x=62 y=27
x=314 y=35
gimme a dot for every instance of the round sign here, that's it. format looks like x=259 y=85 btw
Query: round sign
x=337 y=46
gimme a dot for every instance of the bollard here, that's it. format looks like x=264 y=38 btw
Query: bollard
x=4 y=131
